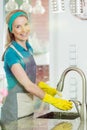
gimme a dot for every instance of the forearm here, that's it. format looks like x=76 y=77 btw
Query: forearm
x=22 y=77
x=35 y=90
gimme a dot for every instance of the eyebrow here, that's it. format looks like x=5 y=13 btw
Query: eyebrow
x=20 y=24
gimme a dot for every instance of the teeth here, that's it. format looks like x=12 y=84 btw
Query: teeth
x=24 y=35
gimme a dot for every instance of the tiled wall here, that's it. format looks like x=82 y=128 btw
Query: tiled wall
x=42 y=73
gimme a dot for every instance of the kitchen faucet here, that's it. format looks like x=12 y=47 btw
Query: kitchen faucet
x=60 y=86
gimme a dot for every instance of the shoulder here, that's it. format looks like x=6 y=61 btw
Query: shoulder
x=9 y=53
x=10 y=57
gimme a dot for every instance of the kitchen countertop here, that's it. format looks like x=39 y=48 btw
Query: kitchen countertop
x=33 y=123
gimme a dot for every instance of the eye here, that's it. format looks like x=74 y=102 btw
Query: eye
x=17 y=26
x=26 y=24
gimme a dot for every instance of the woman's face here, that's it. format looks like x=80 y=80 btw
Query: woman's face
x=21 y=29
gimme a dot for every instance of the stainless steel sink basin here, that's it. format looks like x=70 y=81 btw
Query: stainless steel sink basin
x=60 y=115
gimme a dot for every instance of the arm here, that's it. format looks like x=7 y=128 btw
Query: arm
x=22 y=77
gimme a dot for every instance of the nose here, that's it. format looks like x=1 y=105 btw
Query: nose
x=23 y=29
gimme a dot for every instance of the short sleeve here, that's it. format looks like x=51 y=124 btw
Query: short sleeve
x=11 y=57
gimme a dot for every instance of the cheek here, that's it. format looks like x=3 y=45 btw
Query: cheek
x=16 y=31
x=28 y=28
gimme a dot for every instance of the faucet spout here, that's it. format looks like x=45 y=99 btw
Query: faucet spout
x=60 y=87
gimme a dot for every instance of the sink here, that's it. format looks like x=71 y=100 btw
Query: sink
x=60 y=115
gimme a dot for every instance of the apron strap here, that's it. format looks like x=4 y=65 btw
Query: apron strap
x=16 y=51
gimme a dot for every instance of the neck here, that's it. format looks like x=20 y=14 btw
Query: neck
x=23 y=44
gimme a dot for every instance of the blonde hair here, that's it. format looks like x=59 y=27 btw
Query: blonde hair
x=10 y=35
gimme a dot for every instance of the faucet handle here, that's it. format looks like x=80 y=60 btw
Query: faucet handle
x=76 y=103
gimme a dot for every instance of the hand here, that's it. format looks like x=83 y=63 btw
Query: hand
x=63 y=126
x=3 y=95
x=48 y=89
x=58 y=102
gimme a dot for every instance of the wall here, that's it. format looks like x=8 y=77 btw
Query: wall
x=67 y=31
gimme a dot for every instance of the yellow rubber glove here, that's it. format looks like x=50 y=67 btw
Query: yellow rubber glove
x=63 y=126
x=58 y=102
x=46 y=88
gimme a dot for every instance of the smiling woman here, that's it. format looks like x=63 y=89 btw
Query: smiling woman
x=18 y=60
x=20 y=69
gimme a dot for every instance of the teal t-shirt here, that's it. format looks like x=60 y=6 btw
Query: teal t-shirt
x=11 y=57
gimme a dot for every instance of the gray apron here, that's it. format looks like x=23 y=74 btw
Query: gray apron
x=11 y=109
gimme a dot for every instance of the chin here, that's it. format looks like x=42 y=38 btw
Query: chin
x=25 y=39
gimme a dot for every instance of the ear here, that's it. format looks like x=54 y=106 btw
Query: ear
x=12 y=31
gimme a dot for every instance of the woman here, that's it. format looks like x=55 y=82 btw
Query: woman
x=20 y=68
